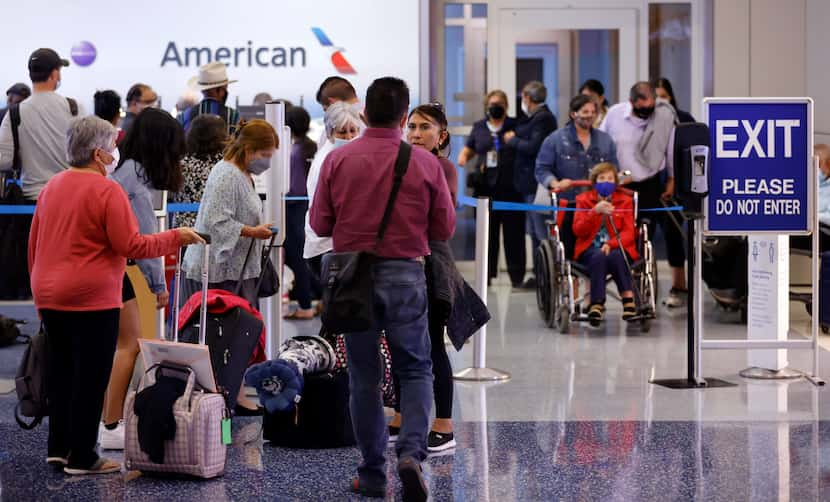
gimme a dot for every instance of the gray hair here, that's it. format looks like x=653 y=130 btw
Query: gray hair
x=84 y=136
x=340 y=114
x=536 y=91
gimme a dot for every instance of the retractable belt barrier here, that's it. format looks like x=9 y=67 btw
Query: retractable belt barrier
x=172 y=208
x=498 y=205
x=463 y=200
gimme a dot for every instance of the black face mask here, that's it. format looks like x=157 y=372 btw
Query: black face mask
x=643 y=112
x=496 y=112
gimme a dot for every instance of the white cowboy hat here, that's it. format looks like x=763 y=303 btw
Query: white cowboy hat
x=210 y=76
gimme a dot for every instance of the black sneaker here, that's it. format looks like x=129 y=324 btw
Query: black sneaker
x=439 y=441
x=413 y=486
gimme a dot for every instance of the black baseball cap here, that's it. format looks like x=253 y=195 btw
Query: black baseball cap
x=45 y=60
x=19 y=89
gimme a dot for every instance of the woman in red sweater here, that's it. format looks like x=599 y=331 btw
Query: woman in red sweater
x=82 y=232
x=597 y=247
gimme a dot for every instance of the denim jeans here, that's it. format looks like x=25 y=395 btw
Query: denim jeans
x=401 y=311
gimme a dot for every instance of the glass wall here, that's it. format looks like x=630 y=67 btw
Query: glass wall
x=670 y=48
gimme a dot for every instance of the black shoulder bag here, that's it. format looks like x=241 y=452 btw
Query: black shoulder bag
x=269 y=281
x=348 y=293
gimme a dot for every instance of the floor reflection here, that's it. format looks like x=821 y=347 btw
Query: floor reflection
x=497 y=461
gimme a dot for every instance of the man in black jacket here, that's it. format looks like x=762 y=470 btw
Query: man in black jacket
x=527 y=140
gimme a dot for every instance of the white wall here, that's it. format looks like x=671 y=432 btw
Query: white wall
x=818 y=65
x=774 y=48
x=132 y=40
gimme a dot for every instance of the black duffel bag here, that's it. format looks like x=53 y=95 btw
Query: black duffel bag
x=320 y=420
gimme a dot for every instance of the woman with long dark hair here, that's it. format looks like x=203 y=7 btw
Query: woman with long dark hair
x=427 y=128
x=150 y=163
x=206 y=141
x=664 y=91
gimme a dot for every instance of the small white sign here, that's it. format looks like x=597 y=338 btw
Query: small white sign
x=768 y=310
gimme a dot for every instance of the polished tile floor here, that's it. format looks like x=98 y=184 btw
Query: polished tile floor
x=578 y=420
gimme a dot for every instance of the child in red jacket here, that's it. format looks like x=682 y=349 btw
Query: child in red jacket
x=597 y=247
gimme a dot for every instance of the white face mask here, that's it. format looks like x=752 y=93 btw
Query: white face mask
x=116 y=156
x=338 y=142
x=525 y=108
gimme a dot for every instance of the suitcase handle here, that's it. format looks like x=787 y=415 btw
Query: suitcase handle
x=191 y=378
x=178 y=291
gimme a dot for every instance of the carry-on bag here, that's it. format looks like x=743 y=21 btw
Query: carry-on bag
x=193 y=436
x=233 y=329
x=320 y=420
x=231 y=337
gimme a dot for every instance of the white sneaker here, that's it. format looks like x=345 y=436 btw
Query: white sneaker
x=677 y=298
x=112 y=439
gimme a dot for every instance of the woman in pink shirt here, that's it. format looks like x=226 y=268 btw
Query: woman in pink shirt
x=82 y=233
x=427 y=128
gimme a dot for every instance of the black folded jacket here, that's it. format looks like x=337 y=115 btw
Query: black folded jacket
x=156 y=422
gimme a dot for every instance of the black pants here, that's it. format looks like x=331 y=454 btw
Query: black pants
x=294 y=242
x=512 y=224
x=79 y=352
x=14 y=248
x=442 y=383
x=805 y=242
x=649 y=191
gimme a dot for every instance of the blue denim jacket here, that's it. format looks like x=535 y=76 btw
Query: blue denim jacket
x=563 y=156
x=130 y=175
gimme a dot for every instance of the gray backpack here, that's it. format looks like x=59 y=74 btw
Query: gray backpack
x=30 y=383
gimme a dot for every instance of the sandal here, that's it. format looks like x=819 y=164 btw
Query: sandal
x=596 y=313
x=57 y=462
x=101 y=466
x=629 y=308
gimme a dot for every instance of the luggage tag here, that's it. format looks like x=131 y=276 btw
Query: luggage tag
x=226 y=428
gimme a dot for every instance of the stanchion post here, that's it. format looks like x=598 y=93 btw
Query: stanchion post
x=815 y=322
x=276 y=180
x=697 y=289
x=161 y=218
x=479 y=372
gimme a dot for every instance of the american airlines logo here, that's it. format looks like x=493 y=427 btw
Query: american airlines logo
x=252 y=55
x=337 y=58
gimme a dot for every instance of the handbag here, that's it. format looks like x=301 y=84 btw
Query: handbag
x=269 y=282
x=348 y=293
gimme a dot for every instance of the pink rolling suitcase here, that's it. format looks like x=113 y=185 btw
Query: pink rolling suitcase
x=198 y=448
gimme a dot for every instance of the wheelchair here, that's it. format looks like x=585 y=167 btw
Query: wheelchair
x=557 y=273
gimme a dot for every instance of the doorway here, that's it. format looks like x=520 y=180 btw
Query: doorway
x=564 y=47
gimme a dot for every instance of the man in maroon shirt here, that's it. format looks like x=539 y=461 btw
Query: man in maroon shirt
x=355 y=182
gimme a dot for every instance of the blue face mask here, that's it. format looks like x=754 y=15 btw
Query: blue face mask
x=605 y=188
x=338 y=142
